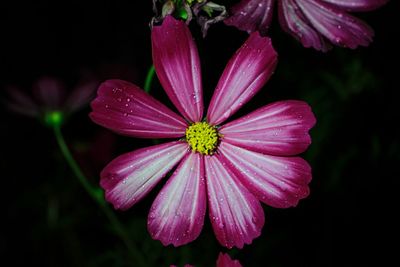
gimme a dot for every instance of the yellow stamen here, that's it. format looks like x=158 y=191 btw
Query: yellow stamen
x=202 y=138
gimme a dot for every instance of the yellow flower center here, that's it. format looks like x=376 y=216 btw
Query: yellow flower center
x=202 y=137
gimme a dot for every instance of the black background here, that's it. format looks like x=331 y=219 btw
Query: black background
x=349 y=218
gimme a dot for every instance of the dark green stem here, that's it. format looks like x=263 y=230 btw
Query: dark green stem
x=97 y=195
x=149 y=79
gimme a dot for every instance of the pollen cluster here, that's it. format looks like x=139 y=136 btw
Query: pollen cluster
x=202 y=138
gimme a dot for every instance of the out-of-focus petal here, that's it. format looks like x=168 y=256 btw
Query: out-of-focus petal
x=177 y=65
x=245 y=74
x=126 y=109
x=225 y=261
x=80 y=96
x=357 y=5
x=236 y=215
x=21 y=103
x=293 y=21
x=280 y=128
x=277 y=181
x=128 y=178
x=177 y=215
x=50 y=92
x=337 y=26
x=251 y=15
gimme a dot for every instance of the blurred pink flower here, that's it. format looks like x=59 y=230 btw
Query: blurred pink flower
x=223 y=261
x=312 y=22
x=49 y=95
x=232 y=165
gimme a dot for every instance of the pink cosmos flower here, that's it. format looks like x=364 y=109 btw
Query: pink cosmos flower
x=312 y=22
x=223 y=261
x=229 y=167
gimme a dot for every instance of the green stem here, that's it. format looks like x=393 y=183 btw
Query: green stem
x=149 y=79
x=97 y=195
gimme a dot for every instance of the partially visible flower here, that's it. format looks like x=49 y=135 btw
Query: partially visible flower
x=49 y=101
x=232 y=165
x=223 y=261
x=314 y=23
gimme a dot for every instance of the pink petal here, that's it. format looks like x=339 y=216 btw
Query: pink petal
x=293 y=21
x=50 y=92
x=225 y=261
x=357 y=5
x=339 y=27
x=126 y=109
x=128 y=178
x=251 y=15
x=246 y=72
x=277 y=181
x=236 y=215
x=21 y=103
x=177 y=215
x=81 y=96
x=177 y=65
x=280 y=128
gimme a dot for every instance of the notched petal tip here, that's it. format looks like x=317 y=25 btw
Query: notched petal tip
x=177 y=65
x=236 y=215
x=279 y=182
x=172 y=218
x=335 y=24
x=245 y=74
x=281 y=129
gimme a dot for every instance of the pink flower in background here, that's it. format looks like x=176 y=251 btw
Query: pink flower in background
x=230 y=167
x=314 y=23
x=49 y=96
x=223 y=261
